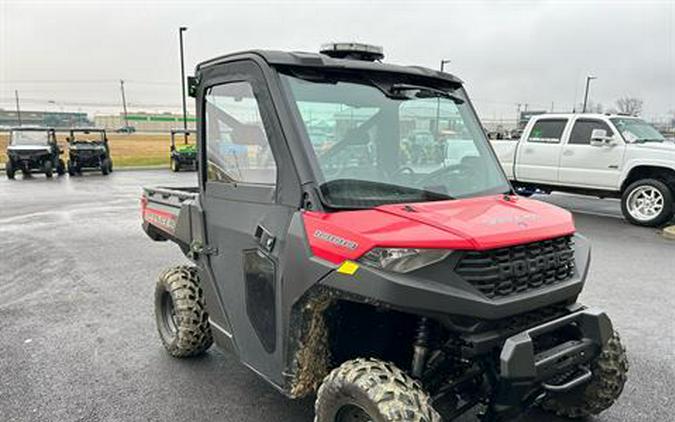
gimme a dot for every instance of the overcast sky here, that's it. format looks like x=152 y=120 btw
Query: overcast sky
x=538 y=52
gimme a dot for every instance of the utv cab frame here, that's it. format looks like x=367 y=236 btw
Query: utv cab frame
x=184 y=155
x=331 y=263
x=33 y=150
x=88 y=150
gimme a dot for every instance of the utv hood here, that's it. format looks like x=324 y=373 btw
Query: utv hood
x=86 y=147
x=466 y=224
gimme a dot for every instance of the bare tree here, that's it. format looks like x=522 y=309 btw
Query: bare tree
x=629 y=105
x=591 y=107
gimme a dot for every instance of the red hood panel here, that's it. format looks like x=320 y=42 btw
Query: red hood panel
x=469 y=224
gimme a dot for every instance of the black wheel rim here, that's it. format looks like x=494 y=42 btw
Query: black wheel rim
x=169 y=315
x=352 y=413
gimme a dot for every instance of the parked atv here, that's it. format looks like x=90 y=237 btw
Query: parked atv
x=88 y=149
x=184 y=155
x=33 y=150
x=393 y=289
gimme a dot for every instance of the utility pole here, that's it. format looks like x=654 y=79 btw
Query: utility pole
x=18 y=108
x=589 y=78
x=438 y=101
x=124 y=105
x=182 y=80
x=518 y=115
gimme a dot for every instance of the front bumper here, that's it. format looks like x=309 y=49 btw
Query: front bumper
x=528 y=371
x=520 y=361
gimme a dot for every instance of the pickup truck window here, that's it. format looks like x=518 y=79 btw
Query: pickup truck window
x=581 y=132
x=547 y=131
x=237 y=147
x=637 y=130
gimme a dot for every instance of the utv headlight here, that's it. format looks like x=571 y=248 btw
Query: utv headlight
x=402 y=260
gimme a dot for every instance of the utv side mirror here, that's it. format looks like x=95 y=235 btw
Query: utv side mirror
x=599 y=138
x=192 y=86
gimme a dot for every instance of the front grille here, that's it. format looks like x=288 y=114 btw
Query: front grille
x=517 y=269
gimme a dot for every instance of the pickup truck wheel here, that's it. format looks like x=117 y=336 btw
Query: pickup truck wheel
x=372 y=390
x=180 y=312
x=647 y=202
x=609 y=376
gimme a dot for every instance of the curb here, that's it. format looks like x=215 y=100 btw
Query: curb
x=132 y=168
x=669 y=233
x=136 y=168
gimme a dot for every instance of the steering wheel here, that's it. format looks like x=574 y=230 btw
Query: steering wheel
x=468 y=175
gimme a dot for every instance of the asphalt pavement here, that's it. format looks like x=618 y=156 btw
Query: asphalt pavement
x=78 y=339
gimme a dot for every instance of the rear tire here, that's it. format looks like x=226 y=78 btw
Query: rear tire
x=10 y=170
x=180 y=313
x=599 y=394
x=369 y=389
x=648 y=203
x=48 y=168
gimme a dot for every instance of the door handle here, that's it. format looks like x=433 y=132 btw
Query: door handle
x=265 y=239
x=568 y=152
x=528 y=150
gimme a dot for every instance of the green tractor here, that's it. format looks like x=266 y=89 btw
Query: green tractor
x=183 y=155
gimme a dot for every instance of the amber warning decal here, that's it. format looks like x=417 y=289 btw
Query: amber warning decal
x=336 y=240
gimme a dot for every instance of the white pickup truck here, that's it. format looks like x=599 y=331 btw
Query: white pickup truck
x=599 y=155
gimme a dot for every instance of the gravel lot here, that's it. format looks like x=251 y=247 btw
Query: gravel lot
x=78 y=341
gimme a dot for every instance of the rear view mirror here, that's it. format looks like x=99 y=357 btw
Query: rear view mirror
x=600 y=138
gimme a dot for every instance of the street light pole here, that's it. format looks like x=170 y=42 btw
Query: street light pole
x=182 y=80
x=18 y=109
x=589 y=78
x=443 y=63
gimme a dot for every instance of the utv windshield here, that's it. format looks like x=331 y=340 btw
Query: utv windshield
x=29 y=137
x=88 y=136
x=378 y=142
x=637 y=130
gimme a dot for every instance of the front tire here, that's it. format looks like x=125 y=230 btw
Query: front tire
x=10 y=170
x=175 y=166
x=599 y=394
x=105 y=167
x=48 y=168
x=647 y=202
x=372 y=390
x=61 y=168
x=180 y=313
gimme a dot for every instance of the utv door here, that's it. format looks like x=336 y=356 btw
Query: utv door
x=245 y=220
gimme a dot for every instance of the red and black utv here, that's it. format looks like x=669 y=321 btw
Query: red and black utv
x=332 y=263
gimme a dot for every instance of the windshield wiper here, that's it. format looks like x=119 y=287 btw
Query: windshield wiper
x=642 y=141
x=359 y=194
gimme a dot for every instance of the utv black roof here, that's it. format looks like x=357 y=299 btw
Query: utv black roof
x=31 y=128
x=322 y=61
